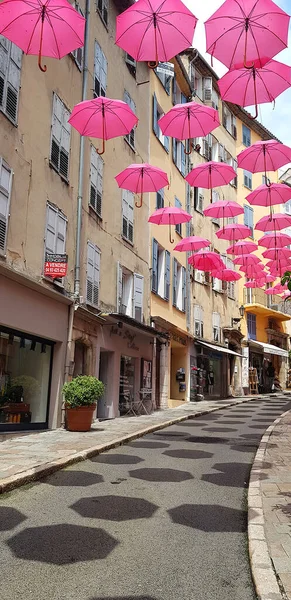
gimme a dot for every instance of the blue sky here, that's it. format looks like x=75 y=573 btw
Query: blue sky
x=278 y=121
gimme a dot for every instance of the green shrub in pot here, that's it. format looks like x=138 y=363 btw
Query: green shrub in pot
x=83 y=390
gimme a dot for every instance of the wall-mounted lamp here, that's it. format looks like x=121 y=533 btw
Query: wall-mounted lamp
x=241 y=311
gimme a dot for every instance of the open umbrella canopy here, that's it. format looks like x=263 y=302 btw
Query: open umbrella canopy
x=169 y=215
x=155 y=30
x=211 y=174
x=226 y=275
x=277 y=253
x=233 y=232
x=275 y=222
x=206 y=261
x=258 y=85
x=275 y=240
x=241 y=248
x=142 y=178
x=255 y=283
x=277 y=289
x=43 y=27
x=264 y=156
x=223 y=209
x=190 y=120
x=251 y=270
x=269 y=195
x=242 y=31
x=246 y=259
x=191 y=244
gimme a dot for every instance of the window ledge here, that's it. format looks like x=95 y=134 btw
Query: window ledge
x=248 y=188
x=127 y=241
x=8 y=117
x=130 y=145
x=95 y=213
x=168 y=151
x=54 y=282
x=181 y=310
x=64 y=179
x=161 y=297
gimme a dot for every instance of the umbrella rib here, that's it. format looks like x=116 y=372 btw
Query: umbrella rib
x=271 y=98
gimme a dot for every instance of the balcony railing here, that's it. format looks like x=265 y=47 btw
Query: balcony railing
x=258 y=296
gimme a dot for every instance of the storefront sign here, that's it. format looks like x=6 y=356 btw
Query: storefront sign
x=125 y=335
x=56 y=265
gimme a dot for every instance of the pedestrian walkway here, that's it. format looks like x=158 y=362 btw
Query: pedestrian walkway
x=27 y=458
x=270 y=513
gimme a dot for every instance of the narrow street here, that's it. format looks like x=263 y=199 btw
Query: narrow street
x=161 y=518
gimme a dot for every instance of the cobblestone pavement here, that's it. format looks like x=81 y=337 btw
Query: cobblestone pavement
x=28 y=457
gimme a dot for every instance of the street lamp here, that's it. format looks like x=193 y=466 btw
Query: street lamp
x=242 y=311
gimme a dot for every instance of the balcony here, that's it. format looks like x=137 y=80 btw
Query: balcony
x=256 y=301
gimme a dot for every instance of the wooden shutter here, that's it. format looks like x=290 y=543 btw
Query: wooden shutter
x=93 y=274
x=167 y=275
x=174 y=150
x=130 y=196
x=131 y=135
x=174 y=90
x=51 y=229
x=138 y=283
x=13 y=81
x=166 y=143
x=155 y=266
x=155 y=116
x=119 y=288
x=65 y=143
x=160 y=198
x=5 y=193
x=4 y=60
x=246 y=135
x=183 y=159
x=60 y=141
x=178 y=228
x=175 y=281
x=61 y=233
x=184 y=289
x=96 y=181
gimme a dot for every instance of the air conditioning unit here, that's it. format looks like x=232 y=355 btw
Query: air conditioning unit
x=274 y=306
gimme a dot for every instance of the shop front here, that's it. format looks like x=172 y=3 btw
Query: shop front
x=215 y=364
x=268 y=365
x=33 y=337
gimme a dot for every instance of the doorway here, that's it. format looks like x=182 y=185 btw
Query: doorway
x=106 y=376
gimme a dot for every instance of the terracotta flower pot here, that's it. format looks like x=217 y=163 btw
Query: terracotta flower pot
x=80 y=418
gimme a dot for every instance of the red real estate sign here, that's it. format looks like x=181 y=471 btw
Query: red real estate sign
x=56 y=265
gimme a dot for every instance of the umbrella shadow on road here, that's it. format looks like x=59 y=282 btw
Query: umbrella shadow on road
x=73 y=479
x=115 y=508
x=194 y=454
x=161 y=475
x=117 y=459
x=210 y=517
x=10 y=518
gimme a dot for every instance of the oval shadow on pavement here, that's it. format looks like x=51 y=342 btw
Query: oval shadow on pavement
x=209 y=517
x=62 y=544
x=115 y=508
x=161 y=475
x=10 y=518
x=194 y=454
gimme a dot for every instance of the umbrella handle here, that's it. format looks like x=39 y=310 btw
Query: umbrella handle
x=103 y=148
x=44 y=68
x=153 y=64
x=187 y=151
x=170 y=235
x=141 y=199
x=245 y=52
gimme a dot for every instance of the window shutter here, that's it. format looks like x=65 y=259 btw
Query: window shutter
x=4 y=60
x=183 y=159
x=124 y=214
x=167 y=275
x=166 y=143
x=65 y=143
x=119 y=287
x=178 y=228
x=138 y=281
x=5 y=193
x=184 y=290
x=155 y=116
x=100 y=166
x=93 y=274
x=246 y=135
x=61 y=234
x=51 y=229
x=130 y=215
x=175 y=273
x=93 y=178
x=13 y=81
x=155 y=266
x=174 y=150
x=207 y=89
x=160 y=198
x=174 y=90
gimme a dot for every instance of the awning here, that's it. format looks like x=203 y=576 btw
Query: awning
x=270 y=349
x=218 y=348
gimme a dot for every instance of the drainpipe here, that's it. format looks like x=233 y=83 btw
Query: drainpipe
x=81 y=159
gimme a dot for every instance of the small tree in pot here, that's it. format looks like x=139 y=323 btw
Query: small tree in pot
x=81 y=396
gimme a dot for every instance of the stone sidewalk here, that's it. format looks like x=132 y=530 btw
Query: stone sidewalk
x=29 y=457
x=270 y=512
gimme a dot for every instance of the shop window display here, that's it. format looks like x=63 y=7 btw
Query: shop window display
x=24 y=380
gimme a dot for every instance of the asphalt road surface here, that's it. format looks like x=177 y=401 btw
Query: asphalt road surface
x=162 y=518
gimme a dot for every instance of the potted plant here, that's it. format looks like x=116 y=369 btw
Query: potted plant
x=81 y=396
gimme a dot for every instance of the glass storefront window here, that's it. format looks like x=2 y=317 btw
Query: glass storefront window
x=126 y=383
x=24 y=379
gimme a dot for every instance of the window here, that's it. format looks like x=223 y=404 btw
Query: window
x=93 y=274
x=10 y=71
x=196 y=81
x=161 y=268
x=129 y=293
x=157 y=114
x=207 y=89
x=198 y=321
x=178 y=228
x=56 y=230
x=102 y=9
x=216 y=326
x=179 y=286
x=60 y=138
x=215 y=198
x=96 y=181
x=198 y=200
x=249 y=218
x=100 y=72
x=79 y=52
x=179 y=156
x=233 y=163
x=207 y=147
x=216 y=284
x=165 y=81
x=131 y=64
x=252 y=326
x=5 y=192
x=215 y=100
x=178 y=96
x=199 y=276
x=231 y=284
x=127 y=215
x=229 y=121
x=130 y=137
x=248 y=179
x=160 y=198
x=221 y=153
x=246 y=133
x=287 y=207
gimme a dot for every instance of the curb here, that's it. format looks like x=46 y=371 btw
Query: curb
x=31 y=475
x=266 y=581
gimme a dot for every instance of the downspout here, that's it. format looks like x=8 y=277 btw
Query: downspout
x=81 y=159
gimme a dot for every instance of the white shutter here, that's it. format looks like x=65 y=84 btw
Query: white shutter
x=57 y=118
x=66 y=130
x=97 y=61
x=207 y=89
x=130 y=215
x=100 y=168
x=5 y=193
x=103 y=71
x=127 y=214
x=93 y=274
x=51 y=229
x=93 y=178
x=119 y=287
x=10 y=71
x=61 y=234
x=138 y=282
x=215 y=196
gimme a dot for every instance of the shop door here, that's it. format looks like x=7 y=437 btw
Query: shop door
x=105 y=375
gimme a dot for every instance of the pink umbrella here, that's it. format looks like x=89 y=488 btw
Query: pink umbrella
x=155 y=30
x=256 y=85
x=281 y=261
x=190 y=120
x=190 y=244
x=42 y=27
x=264 y=156
x=279 y=270
x=226 y=275
x=270 y=278
x=250 y=270
x=241 y=248
x=269 y=195
x=211 y=174
x=275 y=240
x=206 y=261
x=246 y=259
x=275 y=253
x=140 y=178
x=254 y=283
x=276 y=222
x=103 y=118
x=223 y=209
x=233 y=232
x=242 y=31
x=169 y=215
x=277 y=289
